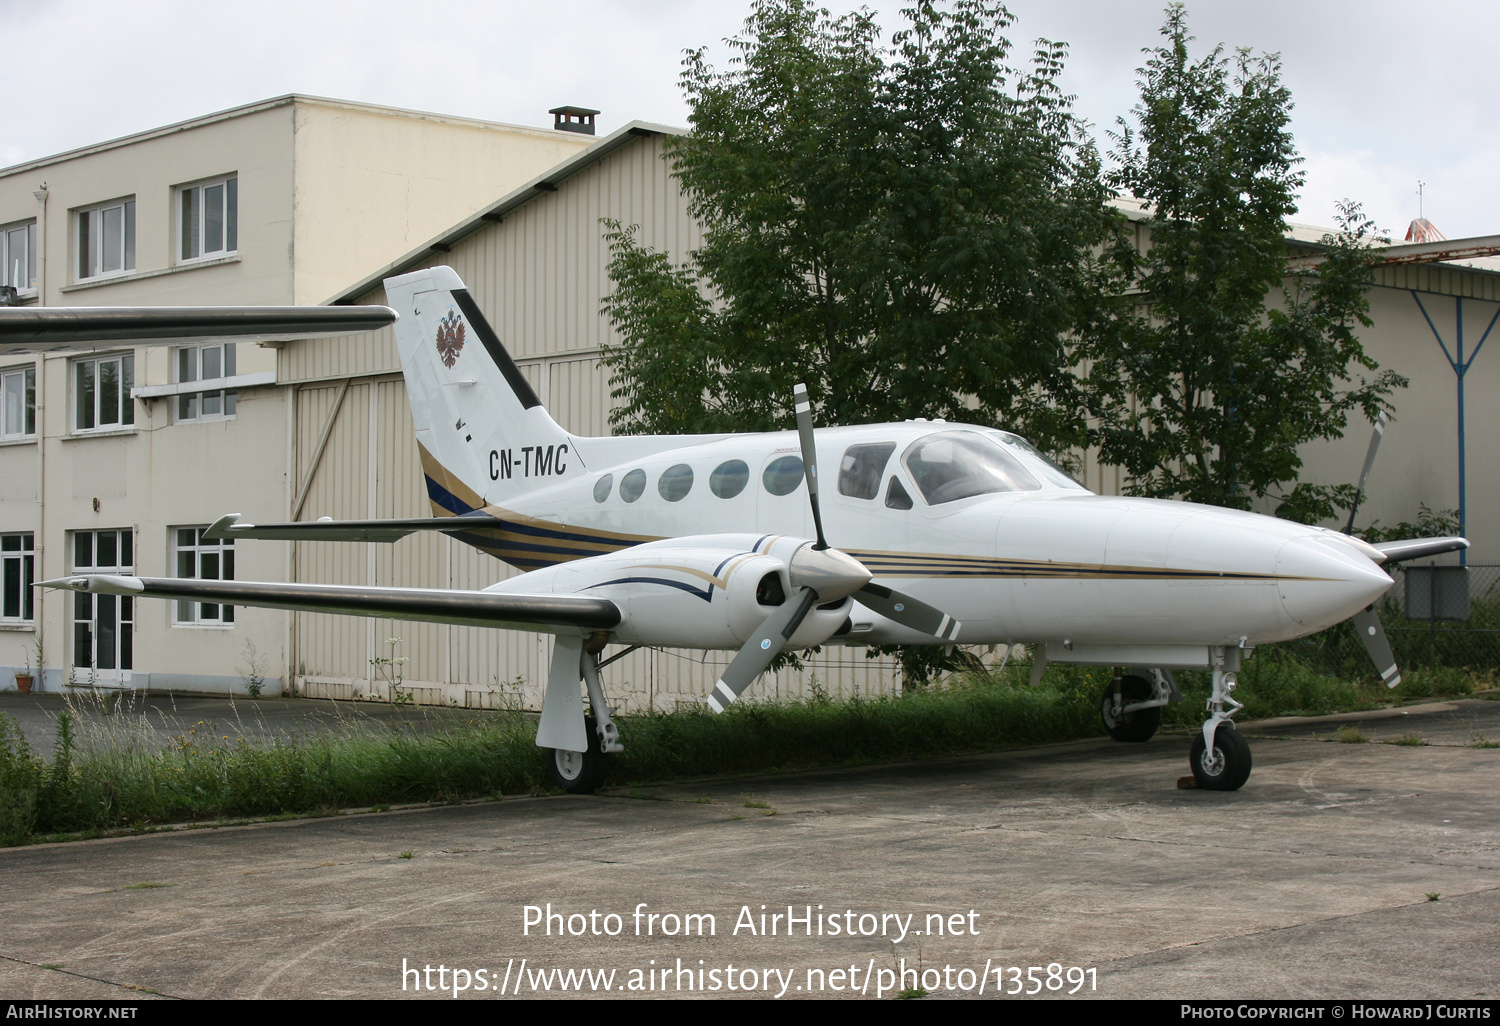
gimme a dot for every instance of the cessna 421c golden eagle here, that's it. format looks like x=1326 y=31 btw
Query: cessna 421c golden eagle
x=946 y=534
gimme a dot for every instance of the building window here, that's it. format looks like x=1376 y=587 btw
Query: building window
x=106 y=240
x=203 y=561
x=18 y=395
x=17 y=569
x=103 y=625
x=208 y=219
x=208 y=364
x=18 y=256
x=101 y=393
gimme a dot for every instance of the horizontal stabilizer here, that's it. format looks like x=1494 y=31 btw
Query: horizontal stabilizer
x=1416 y=548
x=227 y=528
x=433 y=605
x=44 y=329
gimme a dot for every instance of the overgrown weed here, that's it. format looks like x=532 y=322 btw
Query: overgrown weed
x=114 y=774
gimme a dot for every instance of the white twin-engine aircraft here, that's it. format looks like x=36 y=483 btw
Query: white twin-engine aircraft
x=945 y=533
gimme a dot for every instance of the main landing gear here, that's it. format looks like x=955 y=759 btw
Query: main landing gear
x=579 y=745
x=1131 y=708
x=580 y=772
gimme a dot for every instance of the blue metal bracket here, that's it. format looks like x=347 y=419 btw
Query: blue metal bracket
x=1460 y=368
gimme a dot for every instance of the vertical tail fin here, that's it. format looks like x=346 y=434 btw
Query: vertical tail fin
x=483 y=432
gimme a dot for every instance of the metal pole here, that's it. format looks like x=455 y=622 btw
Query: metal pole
x=1432 y=612
x=1461 y=369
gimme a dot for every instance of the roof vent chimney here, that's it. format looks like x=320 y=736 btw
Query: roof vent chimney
x=573 y=119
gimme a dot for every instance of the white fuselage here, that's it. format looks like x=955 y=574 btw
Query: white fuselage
x=1045 y=561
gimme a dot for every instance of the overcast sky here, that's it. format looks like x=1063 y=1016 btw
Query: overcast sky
x=1384 y=95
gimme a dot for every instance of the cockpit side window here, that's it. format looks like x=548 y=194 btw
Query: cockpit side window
x=952 y=465
x=861 y=468
x=895 y=495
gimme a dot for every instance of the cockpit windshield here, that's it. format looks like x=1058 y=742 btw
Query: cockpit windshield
x=1056 y=474
x=952 y=465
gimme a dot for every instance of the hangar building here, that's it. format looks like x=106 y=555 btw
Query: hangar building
x=321 y=427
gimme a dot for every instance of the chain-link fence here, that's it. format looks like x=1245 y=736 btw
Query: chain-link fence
x=1464 y=632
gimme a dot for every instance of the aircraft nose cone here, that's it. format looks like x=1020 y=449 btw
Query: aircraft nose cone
x=1324 y=580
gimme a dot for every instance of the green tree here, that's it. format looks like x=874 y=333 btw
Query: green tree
x=909 y=229
x=1202 y=388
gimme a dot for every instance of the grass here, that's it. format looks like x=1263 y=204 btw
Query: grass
x=1349 y=734
x=1409 y=739
x=123 y=779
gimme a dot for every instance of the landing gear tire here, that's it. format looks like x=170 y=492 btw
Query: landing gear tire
x=1132 y=726
x=1227 y=766
x=579 y=772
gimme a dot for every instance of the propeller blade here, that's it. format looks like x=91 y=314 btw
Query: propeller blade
x=1381 y=420
x=809 y=458
x=909 y=612
x=1367 y=623
x=764 y=645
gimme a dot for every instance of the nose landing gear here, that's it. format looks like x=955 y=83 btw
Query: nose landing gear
x=1220 y=757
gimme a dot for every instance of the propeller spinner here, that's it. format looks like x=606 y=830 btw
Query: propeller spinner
x=820 y=574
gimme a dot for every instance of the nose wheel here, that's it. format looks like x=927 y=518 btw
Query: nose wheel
x=1220 y=757
x=1225 y=766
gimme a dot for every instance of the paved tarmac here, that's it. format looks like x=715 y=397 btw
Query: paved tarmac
x=1311 y=882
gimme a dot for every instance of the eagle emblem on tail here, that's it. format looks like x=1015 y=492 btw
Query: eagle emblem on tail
x=450 y=338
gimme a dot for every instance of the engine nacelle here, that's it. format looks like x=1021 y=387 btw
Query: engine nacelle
x=710 y=591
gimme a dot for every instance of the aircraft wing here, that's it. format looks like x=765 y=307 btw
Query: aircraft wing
x=227 y=528
x=1416 y=548
x=42 y=329
x=434 y=605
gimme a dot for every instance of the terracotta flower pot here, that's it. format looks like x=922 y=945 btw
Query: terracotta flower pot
x=23 y=682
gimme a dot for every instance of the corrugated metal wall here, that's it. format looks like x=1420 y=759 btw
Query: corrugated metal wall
x=539 y=276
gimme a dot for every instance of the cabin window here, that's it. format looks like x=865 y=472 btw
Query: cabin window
x=952 y=465
x=633 y=485
x=675 y=482
x=861 y=468
x=729 y=478
x=602 y=487
x=783 y=475
x=896 y=497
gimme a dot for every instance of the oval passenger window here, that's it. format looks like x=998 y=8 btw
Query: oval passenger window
x=675 y=482
x=783 y=475
x=729 y=478
x=632 y=485
x=602 y=487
